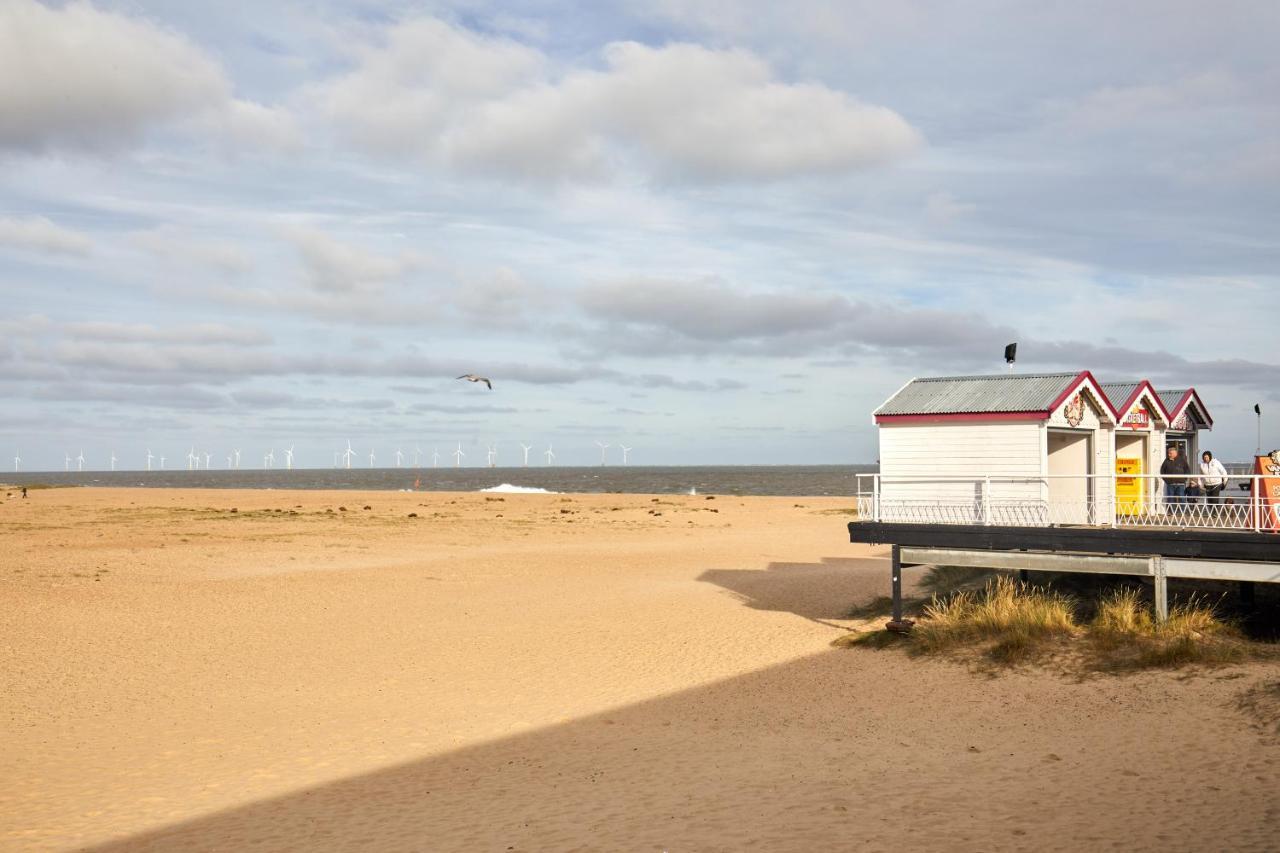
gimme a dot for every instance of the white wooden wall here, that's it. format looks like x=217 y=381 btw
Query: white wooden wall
x=1002 y=449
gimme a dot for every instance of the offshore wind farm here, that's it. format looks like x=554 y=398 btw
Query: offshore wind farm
x=791 y=480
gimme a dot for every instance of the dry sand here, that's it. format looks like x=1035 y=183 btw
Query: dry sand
x=548 y=672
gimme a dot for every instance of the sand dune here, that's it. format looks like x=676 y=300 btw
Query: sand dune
x=552 y=672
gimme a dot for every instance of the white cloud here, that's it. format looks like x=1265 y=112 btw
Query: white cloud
x=681 y=111
x=39 y=234
x=944 y=207
x=656 y=318
x=172 y=245
x=406 y=91
x=82 y=78
x=335 y=267
x=1112 y=107
x=195 y=334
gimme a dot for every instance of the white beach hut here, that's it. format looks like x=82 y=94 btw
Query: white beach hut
x=1188 y=415
x=1003 y=449
x=1143 y=422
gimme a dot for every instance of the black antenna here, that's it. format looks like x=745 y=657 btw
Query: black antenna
x=1011 y=354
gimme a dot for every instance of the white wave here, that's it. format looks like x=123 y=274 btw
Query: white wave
x=508 y=489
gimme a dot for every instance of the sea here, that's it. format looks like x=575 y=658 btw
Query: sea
x=781 y=480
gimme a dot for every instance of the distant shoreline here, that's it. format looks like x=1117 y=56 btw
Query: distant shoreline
x=763 y=480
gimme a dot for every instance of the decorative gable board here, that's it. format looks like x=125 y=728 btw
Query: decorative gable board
x=1191 y=417
x=1144 y=413
x=1084 y=409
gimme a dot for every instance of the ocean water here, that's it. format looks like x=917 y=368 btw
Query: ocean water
x=787 y=480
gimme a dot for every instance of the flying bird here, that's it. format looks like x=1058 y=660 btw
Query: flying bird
x=471 y=377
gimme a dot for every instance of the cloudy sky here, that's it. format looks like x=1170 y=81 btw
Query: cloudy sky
x=716 y=231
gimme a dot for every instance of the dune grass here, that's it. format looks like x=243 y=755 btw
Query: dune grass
x=1126 y=635
x=1009 y=622
x=1013 y=619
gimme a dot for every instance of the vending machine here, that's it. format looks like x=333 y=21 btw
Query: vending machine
x=1129 y=488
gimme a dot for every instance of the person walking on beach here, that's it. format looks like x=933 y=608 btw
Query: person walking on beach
x=24 y=493
x=1213 y=477
x=1175 y=473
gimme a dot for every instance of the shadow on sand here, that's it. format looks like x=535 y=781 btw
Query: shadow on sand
x=817 y=591
x=838 y=750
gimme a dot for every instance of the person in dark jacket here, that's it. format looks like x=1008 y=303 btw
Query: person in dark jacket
x=1175 y=472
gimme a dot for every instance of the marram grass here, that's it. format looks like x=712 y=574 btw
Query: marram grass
x=1009 y=622
x=1015 y=618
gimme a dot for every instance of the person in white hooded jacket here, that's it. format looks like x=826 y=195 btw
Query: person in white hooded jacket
x=1213 y=477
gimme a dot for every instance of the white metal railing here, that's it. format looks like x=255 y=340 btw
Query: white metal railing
x=1108 y=500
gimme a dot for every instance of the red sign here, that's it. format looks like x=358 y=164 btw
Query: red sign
x=1137 y=419
x=1268 y=503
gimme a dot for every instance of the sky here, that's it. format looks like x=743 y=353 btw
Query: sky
x=715 y=232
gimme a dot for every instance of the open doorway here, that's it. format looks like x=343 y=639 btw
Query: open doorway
x=1070 y=487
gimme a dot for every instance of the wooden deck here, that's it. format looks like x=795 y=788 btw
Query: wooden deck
x=1186 y=542
x=1158 y=553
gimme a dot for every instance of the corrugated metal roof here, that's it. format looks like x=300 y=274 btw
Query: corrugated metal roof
x=1119 y=392
x=1172 y=398
x=945 y=395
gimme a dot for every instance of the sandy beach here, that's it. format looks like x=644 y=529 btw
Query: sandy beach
x=220 y=670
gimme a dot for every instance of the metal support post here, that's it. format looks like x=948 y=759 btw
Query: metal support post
x=986 y=500
x=897 y=624
x=1161 y=583
x=1255 y=498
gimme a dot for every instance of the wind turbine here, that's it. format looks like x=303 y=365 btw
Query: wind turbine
x=493 y=455
x=435 y=457
x=417 y=454
x=625 y=451
x=228 y=462
x=335 y=459
x=550 y=454
x=17 y=460
x=161 y=463
x=457 y=456
x=113 y=460
x=288 y=458
x=399 y=457
x=207 y=460
x=270 y=460
x=526 y=448
x=149 y=458
x=348 y=455
x=603 y=447
x=191 y=458
x=66 y=466
x=80 y=461
x=237 y=454
x=371 y=457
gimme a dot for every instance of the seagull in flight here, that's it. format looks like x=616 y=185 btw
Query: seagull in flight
x=471 y=377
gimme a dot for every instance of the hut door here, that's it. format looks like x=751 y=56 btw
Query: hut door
x=1070 y=460
x=1131 y=450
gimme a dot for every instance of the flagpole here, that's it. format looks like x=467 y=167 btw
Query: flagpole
x=1257 y=408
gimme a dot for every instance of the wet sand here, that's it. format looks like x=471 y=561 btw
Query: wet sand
x=548 y=672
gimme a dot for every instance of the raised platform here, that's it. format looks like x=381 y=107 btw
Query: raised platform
x=1158 y=553
x=1206 y=544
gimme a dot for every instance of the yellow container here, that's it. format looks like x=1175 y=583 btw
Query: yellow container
x=1129 y=497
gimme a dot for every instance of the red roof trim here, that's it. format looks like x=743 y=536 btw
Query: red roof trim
x=1176 y=411
x=1137 y=392
x=1075 y=384
x=954 y=417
